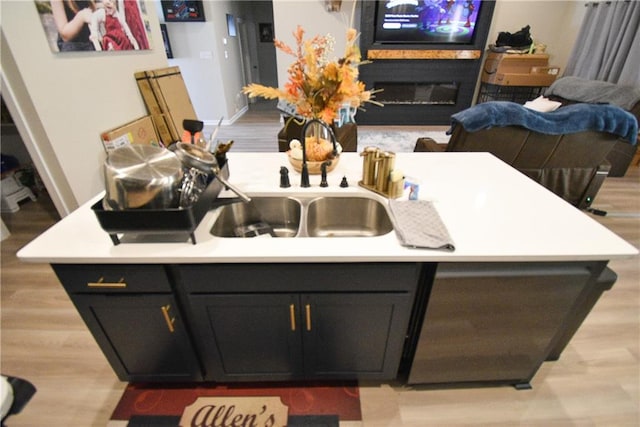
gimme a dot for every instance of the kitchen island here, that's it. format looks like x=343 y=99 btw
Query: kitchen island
x=526 y=269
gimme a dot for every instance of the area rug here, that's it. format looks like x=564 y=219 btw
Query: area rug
x=396 y=141
x=305 y=402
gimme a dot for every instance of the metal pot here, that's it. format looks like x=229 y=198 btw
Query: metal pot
x=142 y=176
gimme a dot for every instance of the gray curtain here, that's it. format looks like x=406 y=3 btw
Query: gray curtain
x=608 y=45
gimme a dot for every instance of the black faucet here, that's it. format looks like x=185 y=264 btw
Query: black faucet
x=304 y=179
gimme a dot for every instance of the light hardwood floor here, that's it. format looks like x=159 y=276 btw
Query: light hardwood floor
x=595 y=382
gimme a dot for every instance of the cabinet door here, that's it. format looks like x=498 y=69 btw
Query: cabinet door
x=249 y=336
x=142 y=336
x=354 y=335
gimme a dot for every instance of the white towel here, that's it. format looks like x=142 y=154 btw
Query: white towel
x=543 y=105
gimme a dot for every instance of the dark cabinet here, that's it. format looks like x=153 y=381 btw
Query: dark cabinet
x=246 y=322
x=141 y=335
x=282 y=322
x=319 y=336
x=353 y=335
x=248 y=336
x=135 y=320
x=426 y=323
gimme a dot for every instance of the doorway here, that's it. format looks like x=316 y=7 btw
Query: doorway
x=258 y=57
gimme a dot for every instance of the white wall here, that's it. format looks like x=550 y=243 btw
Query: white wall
x=313 y=17
x=554 y=23
x=73 y=96
x=210 y=63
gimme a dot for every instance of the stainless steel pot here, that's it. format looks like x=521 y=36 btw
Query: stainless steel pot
x=198 y=158
x=142 y=176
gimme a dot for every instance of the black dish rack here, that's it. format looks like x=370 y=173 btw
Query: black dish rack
x=160 y=222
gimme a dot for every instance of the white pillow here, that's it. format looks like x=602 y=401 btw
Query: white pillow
x=542 y=104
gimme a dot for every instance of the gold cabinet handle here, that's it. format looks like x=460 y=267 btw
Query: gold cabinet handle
x=292 y=316
x=307 y=309
x=120 y=284
x=167 y=318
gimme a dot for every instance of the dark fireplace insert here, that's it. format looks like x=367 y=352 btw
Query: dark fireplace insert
x=417 y=93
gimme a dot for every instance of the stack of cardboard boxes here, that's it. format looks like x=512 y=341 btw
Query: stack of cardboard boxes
x=515 y=77
x=510 y=69
x=167 y=100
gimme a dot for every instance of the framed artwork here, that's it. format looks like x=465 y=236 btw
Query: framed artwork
x=182 y=11
x=110 y=25
x=165 y=39
x=266 y=32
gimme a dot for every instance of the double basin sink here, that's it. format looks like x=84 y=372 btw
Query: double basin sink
x=324 y=216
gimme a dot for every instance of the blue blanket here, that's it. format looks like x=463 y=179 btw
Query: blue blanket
x=570 y=119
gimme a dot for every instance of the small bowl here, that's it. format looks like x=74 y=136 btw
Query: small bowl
x=314 y=168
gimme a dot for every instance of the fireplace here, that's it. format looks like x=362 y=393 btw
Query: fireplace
x=419 y=83
x=416 y=92
x=411 y=93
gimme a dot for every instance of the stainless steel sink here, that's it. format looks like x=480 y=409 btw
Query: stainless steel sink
x=325 y=216
x=278 y=216
x=346 y=217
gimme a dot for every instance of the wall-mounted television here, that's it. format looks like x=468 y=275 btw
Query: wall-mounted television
x=182 y=11
x=426 y=21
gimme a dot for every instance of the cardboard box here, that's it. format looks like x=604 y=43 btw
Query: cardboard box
x=165 y=94
x=140 y=131
x=162 y=123
x=496 y=64
x=535 y=80
x=553 y=71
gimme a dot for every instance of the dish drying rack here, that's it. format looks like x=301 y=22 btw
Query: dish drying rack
x=169 y=223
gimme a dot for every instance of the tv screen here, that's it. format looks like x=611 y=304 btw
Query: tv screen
x=182 y=10
x=426 y=21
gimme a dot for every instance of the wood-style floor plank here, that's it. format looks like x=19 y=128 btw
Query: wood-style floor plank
x=595 y=382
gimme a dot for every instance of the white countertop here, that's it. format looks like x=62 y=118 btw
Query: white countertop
x=493 y=213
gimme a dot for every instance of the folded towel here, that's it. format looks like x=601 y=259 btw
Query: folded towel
x=418 y=225
x=570 y=119
x=595 y=91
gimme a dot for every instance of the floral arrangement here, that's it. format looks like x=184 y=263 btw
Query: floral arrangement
x=318 y=86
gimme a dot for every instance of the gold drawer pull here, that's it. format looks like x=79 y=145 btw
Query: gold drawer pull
x=120 y=284
x=307 y=309
x=292 y=316
x=167 y=318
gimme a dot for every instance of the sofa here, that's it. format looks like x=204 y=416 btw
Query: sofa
x=566 y=151
x=570 y=90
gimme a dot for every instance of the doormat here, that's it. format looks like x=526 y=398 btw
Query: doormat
x=341 y=399
x=292 y=421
